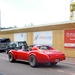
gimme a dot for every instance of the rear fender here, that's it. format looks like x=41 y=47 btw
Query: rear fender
x=34 y=55
x=40 y=56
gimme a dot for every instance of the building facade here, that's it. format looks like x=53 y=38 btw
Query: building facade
x=53 y=34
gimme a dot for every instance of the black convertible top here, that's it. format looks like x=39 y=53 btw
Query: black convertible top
x=5 y=39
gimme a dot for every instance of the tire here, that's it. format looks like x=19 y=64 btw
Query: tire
x=11 y=58
x=53 y=63
x=32 y=61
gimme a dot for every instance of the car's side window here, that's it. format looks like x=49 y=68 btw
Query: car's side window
x=10 y=45
x=13 y=45
x=43 y=48
x=39 y=47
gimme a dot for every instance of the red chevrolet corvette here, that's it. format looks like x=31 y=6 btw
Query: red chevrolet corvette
x=37 y=54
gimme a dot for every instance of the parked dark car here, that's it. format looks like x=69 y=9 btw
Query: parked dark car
x=3 y=43
x=16 y=45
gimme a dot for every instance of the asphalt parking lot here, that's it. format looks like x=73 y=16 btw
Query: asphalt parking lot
x=22 y=68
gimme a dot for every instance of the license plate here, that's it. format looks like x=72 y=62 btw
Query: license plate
x=3 y=45
x=56 y=60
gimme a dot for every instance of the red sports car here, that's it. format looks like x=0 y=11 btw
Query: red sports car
x=37 y=54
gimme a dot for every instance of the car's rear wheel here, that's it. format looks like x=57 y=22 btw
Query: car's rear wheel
x=11 y=58
x=53 y=63
x=32 y=61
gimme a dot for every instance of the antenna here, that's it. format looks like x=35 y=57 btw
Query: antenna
x=0 y=20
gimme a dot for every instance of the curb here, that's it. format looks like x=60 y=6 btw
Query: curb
x=1 y=74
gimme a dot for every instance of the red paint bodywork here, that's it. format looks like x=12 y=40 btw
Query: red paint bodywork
x=42 y=56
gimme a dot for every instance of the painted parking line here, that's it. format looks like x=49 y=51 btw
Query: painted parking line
x=66 y=72
x=60 y=71
x=3 y=58
x=72 y=73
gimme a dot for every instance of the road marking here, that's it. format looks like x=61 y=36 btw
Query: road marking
x=72 y=73
x=60 y=70
x=4 y=58
x=64 y=72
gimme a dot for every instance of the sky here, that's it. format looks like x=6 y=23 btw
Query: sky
x=24 y=12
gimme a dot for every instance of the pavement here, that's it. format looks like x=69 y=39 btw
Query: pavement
x=69 y=60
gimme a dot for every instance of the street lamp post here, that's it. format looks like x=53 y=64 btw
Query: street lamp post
x=0 y=20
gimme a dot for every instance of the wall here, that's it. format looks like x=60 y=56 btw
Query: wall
x=58 y=35
x=58 y=43
x=30 y=38
x=11 y=36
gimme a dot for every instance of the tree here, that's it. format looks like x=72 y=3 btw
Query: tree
x=25 y=25
x=15 y=26
x=31 y=24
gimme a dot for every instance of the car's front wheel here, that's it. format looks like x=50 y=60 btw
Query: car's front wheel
x=11 y=58
x=33 y=61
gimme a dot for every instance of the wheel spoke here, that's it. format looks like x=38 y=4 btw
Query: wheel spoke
x=11 y=59
x=32 y=61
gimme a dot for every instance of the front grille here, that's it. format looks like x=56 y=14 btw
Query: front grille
x=2 y=46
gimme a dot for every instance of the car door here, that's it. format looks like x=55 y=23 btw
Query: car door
x=23 y=55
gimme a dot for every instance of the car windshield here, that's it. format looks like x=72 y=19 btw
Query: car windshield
x=43 y=47
x=40 y=47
